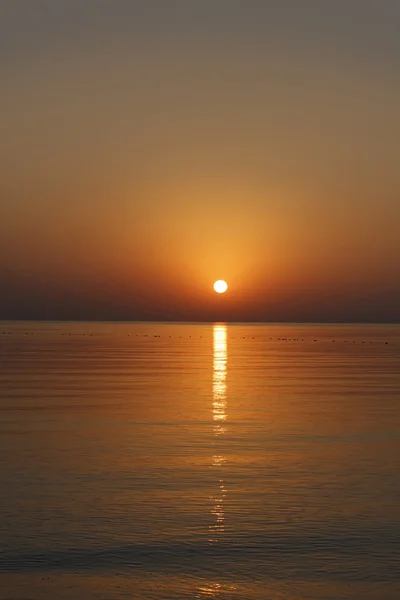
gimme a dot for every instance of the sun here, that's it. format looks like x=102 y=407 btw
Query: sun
x=220 y=286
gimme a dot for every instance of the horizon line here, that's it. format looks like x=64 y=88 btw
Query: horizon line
x=199 y=322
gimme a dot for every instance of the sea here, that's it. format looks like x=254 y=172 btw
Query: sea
x=199 y=461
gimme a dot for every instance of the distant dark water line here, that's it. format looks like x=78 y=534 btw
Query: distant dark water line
x=377 y=549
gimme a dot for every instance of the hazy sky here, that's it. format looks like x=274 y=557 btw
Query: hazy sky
x=149 y=148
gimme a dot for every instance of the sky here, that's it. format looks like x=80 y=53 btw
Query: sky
x=151 y=147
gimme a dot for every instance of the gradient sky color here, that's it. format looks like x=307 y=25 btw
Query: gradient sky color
x=150 y=148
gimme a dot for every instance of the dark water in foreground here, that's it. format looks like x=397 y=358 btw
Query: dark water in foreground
x=151 y=461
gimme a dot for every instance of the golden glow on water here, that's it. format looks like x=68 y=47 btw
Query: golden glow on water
x=214 y=590
x=219 y=414
x=220 y=357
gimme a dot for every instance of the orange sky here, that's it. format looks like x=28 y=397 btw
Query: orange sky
x=145 y=155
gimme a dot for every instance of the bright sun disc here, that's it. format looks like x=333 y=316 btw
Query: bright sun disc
x=220 y=286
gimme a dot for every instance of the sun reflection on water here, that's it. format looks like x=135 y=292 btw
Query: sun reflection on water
x=220 y=355
x=219 y=416
x=219 y=412
x=214 y=590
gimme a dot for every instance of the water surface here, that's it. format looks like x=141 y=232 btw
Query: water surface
x=155 y=461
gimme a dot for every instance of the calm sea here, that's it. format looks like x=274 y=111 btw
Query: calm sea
x=154 y=461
